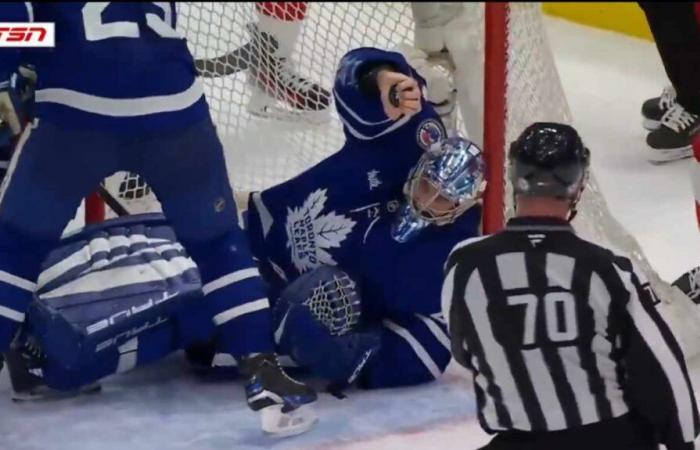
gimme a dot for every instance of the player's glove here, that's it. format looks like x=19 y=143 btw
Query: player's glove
x=16 y=99
x=317 y=320
x=437 y=73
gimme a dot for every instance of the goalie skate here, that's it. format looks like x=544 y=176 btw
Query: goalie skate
x=680 y=307
x=26 y=379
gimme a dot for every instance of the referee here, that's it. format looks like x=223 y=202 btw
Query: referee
x=561 y=335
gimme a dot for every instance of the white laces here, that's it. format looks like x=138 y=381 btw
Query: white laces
x=668 y=97
x=677 y=118
x=288 y=76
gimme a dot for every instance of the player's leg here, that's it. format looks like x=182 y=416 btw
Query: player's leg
x=414 y=349
x=271 y=73
x=676 y=29
x=51 y=170
x=187 y=171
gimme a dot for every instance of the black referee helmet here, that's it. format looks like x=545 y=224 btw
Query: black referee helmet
x=549 y=160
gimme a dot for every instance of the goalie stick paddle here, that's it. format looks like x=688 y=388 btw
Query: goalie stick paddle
x=240 y=59
x=112 y=202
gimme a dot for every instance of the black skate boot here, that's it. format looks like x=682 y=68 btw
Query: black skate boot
x=674 y=139
x=654 y=108
x=24 y=361
x=689 y=284
x=283 y=402
x=273 y=78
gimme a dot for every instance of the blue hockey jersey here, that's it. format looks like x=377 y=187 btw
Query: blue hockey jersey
x=116 y=65
x=340 y=211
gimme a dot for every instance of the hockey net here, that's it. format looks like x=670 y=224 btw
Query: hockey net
x=507 y=42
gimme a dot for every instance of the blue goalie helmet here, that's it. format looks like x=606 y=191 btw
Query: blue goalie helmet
x=447 y=180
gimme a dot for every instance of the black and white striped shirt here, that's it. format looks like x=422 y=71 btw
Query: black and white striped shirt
x=559 y=333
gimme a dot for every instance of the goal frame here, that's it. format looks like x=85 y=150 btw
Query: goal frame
x=495 y=120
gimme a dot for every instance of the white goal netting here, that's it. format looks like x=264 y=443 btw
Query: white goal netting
x=262 y=151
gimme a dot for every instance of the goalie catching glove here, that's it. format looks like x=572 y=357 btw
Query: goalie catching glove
x=317 y=320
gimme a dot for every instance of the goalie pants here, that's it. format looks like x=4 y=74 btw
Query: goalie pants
x=676 y=30
x=53 y=168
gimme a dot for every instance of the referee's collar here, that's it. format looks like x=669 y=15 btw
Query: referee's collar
x=539 y=223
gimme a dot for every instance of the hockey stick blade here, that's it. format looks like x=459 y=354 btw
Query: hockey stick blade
x=224 y=65
x=112 y=202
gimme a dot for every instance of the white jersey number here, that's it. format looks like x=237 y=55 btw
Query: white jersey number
x=96 y=29
x=558 y=330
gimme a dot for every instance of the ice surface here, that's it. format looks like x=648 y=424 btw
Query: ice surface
x=606 y=77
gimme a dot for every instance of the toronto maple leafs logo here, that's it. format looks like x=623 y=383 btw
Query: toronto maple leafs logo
x=310 y=235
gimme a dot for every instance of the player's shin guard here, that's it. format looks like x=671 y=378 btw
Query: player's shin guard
x=234 y=293
x=236 y=296
x=19 y=265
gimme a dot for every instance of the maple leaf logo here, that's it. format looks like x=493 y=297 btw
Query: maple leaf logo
x=310 y=235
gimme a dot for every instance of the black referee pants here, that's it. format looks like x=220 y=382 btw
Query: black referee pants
x=677 y=33
x=621 y=433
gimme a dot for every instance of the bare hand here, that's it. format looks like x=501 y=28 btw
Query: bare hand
x=407 y=90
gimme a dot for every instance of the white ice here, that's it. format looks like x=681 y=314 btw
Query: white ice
x=606 y=77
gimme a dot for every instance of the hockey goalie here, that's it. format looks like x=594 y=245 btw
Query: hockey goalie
x=96 y=114
x=124 y=294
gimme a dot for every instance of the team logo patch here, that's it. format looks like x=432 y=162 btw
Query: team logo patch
x=429 y=132
x=312 y=234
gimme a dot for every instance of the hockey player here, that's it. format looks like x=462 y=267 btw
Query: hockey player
x=343 y=243
x=120 y=92
x=673 y=118
x=562 y=337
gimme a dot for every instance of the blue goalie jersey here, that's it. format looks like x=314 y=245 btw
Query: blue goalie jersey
x=116 y=65
x=340 y=212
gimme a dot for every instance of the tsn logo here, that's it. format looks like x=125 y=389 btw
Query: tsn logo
x=27 y=34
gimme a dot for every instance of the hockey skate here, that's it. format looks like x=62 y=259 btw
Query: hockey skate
x=284 y=404
x=680 y=306
x=23 y=363
x=654 y=108
x=673 y=139
x=277 y=91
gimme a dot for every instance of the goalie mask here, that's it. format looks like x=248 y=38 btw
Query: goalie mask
x=446 y=182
